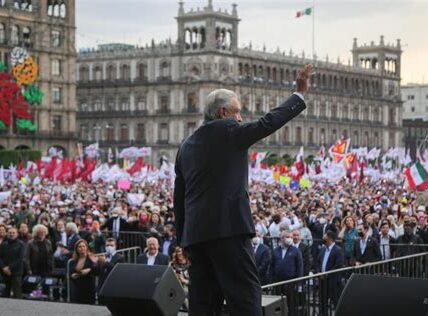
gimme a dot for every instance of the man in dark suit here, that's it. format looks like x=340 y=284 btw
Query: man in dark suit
x=331 y=257
x=211 y=201
x=153 y=256
x=263 y=258
x=107 y=262
x=12 y=252
x=304 y=250
x=169 y=240
x=366 y=248
x=115 y=224
x=386 y=242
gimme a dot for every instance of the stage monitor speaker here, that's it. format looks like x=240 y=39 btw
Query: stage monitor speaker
x=137 y=289
x=274 y=305
x=374 y=295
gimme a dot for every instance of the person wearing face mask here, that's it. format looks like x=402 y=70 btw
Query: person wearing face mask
x=366 y=248
x=107 y=261
x=116 y=224
x=287 y=261
x=407 y=244
x=262 y=256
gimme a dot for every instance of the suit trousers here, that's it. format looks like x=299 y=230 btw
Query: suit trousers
x=224 y=269
x=13 y=284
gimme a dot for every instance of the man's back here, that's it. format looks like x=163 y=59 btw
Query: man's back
x=216 y=185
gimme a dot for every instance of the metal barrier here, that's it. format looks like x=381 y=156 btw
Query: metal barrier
x=127 y=239
x=130 y=255
x=318 y=294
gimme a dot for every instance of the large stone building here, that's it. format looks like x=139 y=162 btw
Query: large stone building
x=415 y=116
x=154 y=95
x=46 y=28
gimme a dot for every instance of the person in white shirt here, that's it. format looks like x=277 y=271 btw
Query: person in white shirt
x=153 y=256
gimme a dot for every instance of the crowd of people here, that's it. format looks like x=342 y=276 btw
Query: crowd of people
x=298 y=232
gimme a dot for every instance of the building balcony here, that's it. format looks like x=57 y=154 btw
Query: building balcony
x=51 y=135
x=163 y=111
x=162 y=142
x=191 y=110
x=164 y=79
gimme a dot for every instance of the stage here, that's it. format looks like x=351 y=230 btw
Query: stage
x=12 y=307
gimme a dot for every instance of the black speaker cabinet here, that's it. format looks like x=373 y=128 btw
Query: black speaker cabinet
x=136 y=289
x=373 y=295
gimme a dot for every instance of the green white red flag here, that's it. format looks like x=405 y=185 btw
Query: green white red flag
x=417 y=176
x=307 y=11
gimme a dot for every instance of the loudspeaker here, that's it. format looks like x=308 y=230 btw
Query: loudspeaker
x=374 y=295
x=137 y=289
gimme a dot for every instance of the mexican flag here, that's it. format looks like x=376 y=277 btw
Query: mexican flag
x=307 y=11
x=417 y=176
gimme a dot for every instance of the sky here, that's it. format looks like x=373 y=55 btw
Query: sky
x=272 y=23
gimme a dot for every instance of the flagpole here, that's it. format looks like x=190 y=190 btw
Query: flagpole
x=313 y=29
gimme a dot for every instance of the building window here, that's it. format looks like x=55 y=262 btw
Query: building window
x=84 y=132
x=356 y=138
x=109 y=133
x=286 y=135
x=56 y=123
x=164 y=69
x=98 y=73
x=55 y=38
x=142 y=69
x=125 y=72
x=410 y=97
x=141 y=104
x=56 y=67
x=141 y=132
x=192 y=101
x=334 y=110
x=14 y=35
x=413 y=109
x=124 y=132
x=164 y=104
x=56 y=95
x=111 y=103
x=84 y=74
x=111 y=72
x=2 y=33
x=163 y=133
x=26 y=36
x=311 y=136
x=191 y=127
x=125 y=104
x=298 y=135
x=57 y=8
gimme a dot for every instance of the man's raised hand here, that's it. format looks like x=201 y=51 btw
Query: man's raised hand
x=303 y=78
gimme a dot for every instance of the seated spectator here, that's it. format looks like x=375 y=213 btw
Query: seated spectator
x=152 y=256
x=39 y=255
x=105 y=263
x=12 y=252
x=81 y=272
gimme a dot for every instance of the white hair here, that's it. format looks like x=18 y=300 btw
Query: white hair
x=215 y=100
x=72 y=227
x=39 y=227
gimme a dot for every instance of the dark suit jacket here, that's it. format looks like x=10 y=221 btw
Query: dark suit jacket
x=307 y=257
x=211 y=198
x=172 y=245
x=160 y=259
x=290 y=267
x=335 y=260
x=71 y=242
x=103 y=270
x=124 y=226
x=371 y=253
x=12 y=255
x=263 y=259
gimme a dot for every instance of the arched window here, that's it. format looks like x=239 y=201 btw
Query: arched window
x=311 y=136
x=2 y=33
x=192 y=102
x=111 y=73
x=26 y=36
x=124 y=133
x=84 y=73
x=14 y=35
x=164 y=69
x=298 y=135
x=62 y=10
x=98 y=73
x=286 y=135
x=56 y=9
x=356 y=138
x=142 y=71
x=125 y=72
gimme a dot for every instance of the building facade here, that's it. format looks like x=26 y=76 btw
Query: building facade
x=155 y=95
x=415 y=101
x=46 y=28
